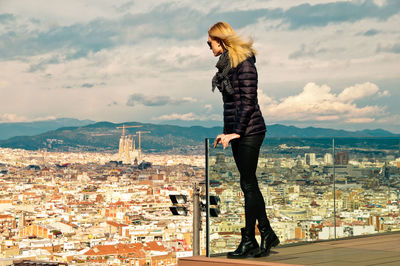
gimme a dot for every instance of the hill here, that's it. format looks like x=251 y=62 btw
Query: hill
x=8 y=130
x=104 y=136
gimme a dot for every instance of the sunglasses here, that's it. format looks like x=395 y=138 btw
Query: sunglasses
x=209 y=44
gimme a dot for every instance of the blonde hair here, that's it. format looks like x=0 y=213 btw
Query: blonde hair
x=239 y=49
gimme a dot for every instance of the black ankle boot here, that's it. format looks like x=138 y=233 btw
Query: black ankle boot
x=268 y=240
x=247 y=247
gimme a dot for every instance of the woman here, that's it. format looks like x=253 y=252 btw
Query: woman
x=244 y=128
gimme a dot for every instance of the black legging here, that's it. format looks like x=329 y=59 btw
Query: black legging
x=245 y=151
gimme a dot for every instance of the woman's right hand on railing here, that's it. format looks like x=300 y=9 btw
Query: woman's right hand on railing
x=217 y=140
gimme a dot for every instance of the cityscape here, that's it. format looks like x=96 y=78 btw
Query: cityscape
x=108 y=114
x=88 y=208
x=303 y=191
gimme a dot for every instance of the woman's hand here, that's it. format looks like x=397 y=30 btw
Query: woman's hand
x=218 y=139
x=225 y=139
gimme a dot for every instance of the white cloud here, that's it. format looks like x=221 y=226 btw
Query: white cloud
x=358 y=91
x=360 y=120
x=157 y=100
x=208 y=107
x=62 y=12
x=319 y=103
x=125 y=58
x=380 y=2
x=327 y=118
x=189 y=99
x=14 y=118
x=390 y=119
x=3 y=84
x=187 y=117
x=384 y=93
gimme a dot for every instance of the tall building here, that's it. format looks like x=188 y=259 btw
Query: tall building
x=328 y=159
x=127 y=150
x=385 y=171
x=342 y=158
x=220 y=159
x=310 y=159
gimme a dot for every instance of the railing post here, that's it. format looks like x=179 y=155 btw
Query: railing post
x=207 y=145
x=196 y=220
x=334 y=187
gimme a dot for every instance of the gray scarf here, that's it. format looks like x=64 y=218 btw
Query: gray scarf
x=221 y=78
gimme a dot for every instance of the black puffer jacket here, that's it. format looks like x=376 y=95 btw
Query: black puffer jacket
x=242 y=114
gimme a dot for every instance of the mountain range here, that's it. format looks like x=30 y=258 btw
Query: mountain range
x=84 y=135
x=8 y=130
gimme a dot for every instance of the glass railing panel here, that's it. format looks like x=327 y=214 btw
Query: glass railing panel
x=294 y=178
x=223 y=180
x=367 y=185
x=294 y=174
x=309 y=186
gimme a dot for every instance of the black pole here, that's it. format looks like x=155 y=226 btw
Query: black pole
x=207 y=200
x=334 y=187
x=196 y=220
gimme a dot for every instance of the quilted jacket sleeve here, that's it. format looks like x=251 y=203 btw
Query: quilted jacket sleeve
x=247 y=79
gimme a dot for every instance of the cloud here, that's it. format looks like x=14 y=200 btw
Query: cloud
x=14 y=118
x=5 y=18
x=156 y=100
x=73 y=41
x=165 y=21
x=384 y=93
x=125 y=6
x=306 y=15
x=114 y=103
x=380 y=2
x=371 y=32
x=4 y=118
x=360 y=120
x=393 y=119
x=393 y=48
x=49 y=53
x=208 y=107
x=308 y=51
x=4 y=84
x=187 y=117
x=320 y=15
x=357 y=91
x=41 y=65
x=80 y=39
x=319 y=103
x=87 y=85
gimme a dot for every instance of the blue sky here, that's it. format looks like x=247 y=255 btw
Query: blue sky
x=321 y=63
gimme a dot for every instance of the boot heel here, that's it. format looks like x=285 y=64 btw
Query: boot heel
x=276 y=242
x=263 y=253
x=248 y=246
x=254 y=252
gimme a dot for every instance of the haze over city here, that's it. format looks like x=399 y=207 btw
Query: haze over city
x=320 y=63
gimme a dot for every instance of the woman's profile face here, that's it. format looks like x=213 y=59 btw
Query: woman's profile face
x=215 y=46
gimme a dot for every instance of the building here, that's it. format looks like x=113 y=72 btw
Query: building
x=310 y=159
x=328 y=158
x=342 y=158
x=7 y=222
x=39 y=231
x=131 y=254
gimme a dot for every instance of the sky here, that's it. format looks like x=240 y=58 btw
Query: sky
x=321 y=63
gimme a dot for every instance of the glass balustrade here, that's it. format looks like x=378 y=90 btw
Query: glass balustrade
x=309 y=186
x=367 y=175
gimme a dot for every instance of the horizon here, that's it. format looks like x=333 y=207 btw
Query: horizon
x=149 y=61
x=179 y=124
